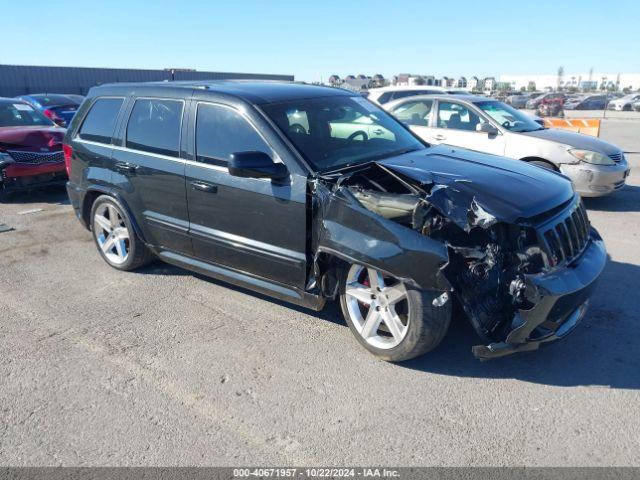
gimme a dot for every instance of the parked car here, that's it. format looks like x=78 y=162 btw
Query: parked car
x=30 y=148
x=219 y=178
x=624 y=103
x=586 y=102
x=520 y=101
x=383 y=95
x=551 y=107
x=534 y=103
x=596 y=167
x=59 y=108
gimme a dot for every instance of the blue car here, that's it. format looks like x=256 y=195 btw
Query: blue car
x=59 y=108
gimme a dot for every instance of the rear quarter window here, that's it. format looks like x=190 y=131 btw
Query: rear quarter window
x=100 y=122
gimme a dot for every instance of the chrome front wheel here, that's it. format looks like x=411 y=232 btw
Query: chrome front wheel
x=377 y=306
x=394 y=320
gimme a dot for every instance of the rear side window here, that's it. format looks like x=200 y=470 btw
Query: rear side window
x=221 y=131
x=414 y=113
x=154 y=126
x=100 y=122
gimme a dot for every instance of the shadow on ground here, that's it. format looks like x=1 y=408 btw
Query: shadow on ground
x=602 y=351
x=50 y=195
x=625 y=200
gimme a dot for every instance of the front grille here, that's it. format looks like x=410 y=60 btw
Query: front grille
x=36 y=158
x=565 y=237
x=616 y=157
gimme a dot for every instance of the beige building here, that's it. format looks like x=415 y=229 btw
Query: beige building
x=577 y=80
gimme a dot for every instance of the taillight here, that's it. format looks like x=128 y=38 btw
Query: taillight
x=67 y=150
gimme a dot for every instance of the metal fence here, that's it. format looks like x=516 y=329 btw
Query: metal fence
x=22 y=80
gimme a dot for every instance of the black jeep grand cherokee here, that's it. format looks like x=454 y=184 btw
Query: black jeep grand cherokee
x=310 y=193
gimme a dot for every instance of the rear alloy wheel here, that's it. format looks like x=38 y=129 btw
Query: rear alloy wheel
x=116 y=240
x=111 y=234
x=389 y=318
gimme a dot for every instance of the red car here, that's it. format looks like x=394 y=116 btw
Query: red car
x=31 y=154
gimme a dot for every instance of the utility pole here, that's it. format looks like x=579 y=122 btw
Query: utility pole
x=606 y=97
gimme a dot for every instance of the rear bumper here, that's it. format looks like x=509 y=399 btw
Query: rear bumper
x=76 y=196
x=559 y=301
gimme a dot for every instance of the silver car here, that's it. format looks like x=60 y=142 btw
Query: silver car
x=596 y=167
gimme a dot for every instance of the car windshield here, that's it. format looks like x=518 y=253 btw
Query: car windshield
x=336 y=132
x=510 y=118
x=17 y=114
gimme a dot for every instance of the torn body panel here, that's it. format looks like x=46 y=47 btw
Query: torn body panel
x=351 y=232
x=559 y=301
x=441 y=231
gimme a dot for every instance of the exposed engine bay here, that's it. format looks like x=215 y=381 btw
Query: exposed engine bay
x=488 y=259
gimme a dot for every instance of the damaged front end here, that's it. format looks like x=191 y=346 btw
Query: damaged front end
x=521 y=280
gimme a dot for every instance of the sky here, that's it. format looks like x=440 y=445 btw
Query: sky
x=313 y=40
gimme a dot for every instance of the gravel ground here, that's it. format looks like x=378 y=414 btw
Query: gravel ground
x=164 y=367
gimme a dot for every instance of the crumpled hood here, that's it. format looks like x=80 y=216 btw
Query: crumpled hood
x=576 y=140
x=32 y=138
x=466 y=185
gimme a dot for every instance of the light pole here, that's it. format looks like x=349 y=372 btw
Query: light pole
x=606 y=97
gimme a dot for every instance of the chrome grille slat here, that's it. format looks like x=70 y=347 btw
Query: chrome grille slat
x=566 y=235
x=577 y=221
x=573 y=233
x=565 y=239
x=36 y=158
x=557 y=251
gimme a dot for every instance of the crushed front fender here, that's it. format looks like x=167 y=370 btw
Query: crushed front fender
x=347 y=230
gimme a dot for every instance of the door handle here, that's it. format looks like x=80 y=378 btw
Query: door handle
x=204 y=187
x=440 y=137
x=126 y=167
x=378 y=131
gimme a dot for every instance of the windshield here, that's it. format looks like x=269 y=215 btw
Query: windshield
x=21 y=115
x=335 y=132
x=510 y=118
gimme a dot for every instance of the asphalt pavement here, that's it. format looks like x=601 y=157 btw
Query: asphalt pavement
x=165 y=367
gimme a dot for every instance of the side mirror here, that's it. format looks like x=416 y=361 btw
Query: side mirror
x=487 y=128
x=255 y=165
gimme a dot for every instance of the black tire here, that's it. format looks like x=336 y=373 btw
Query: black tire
x=543 y=164
x=427 y=324
x=138 y=253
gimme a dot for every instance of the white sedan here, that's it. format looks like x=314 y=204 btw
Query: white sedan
x=478 y=123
